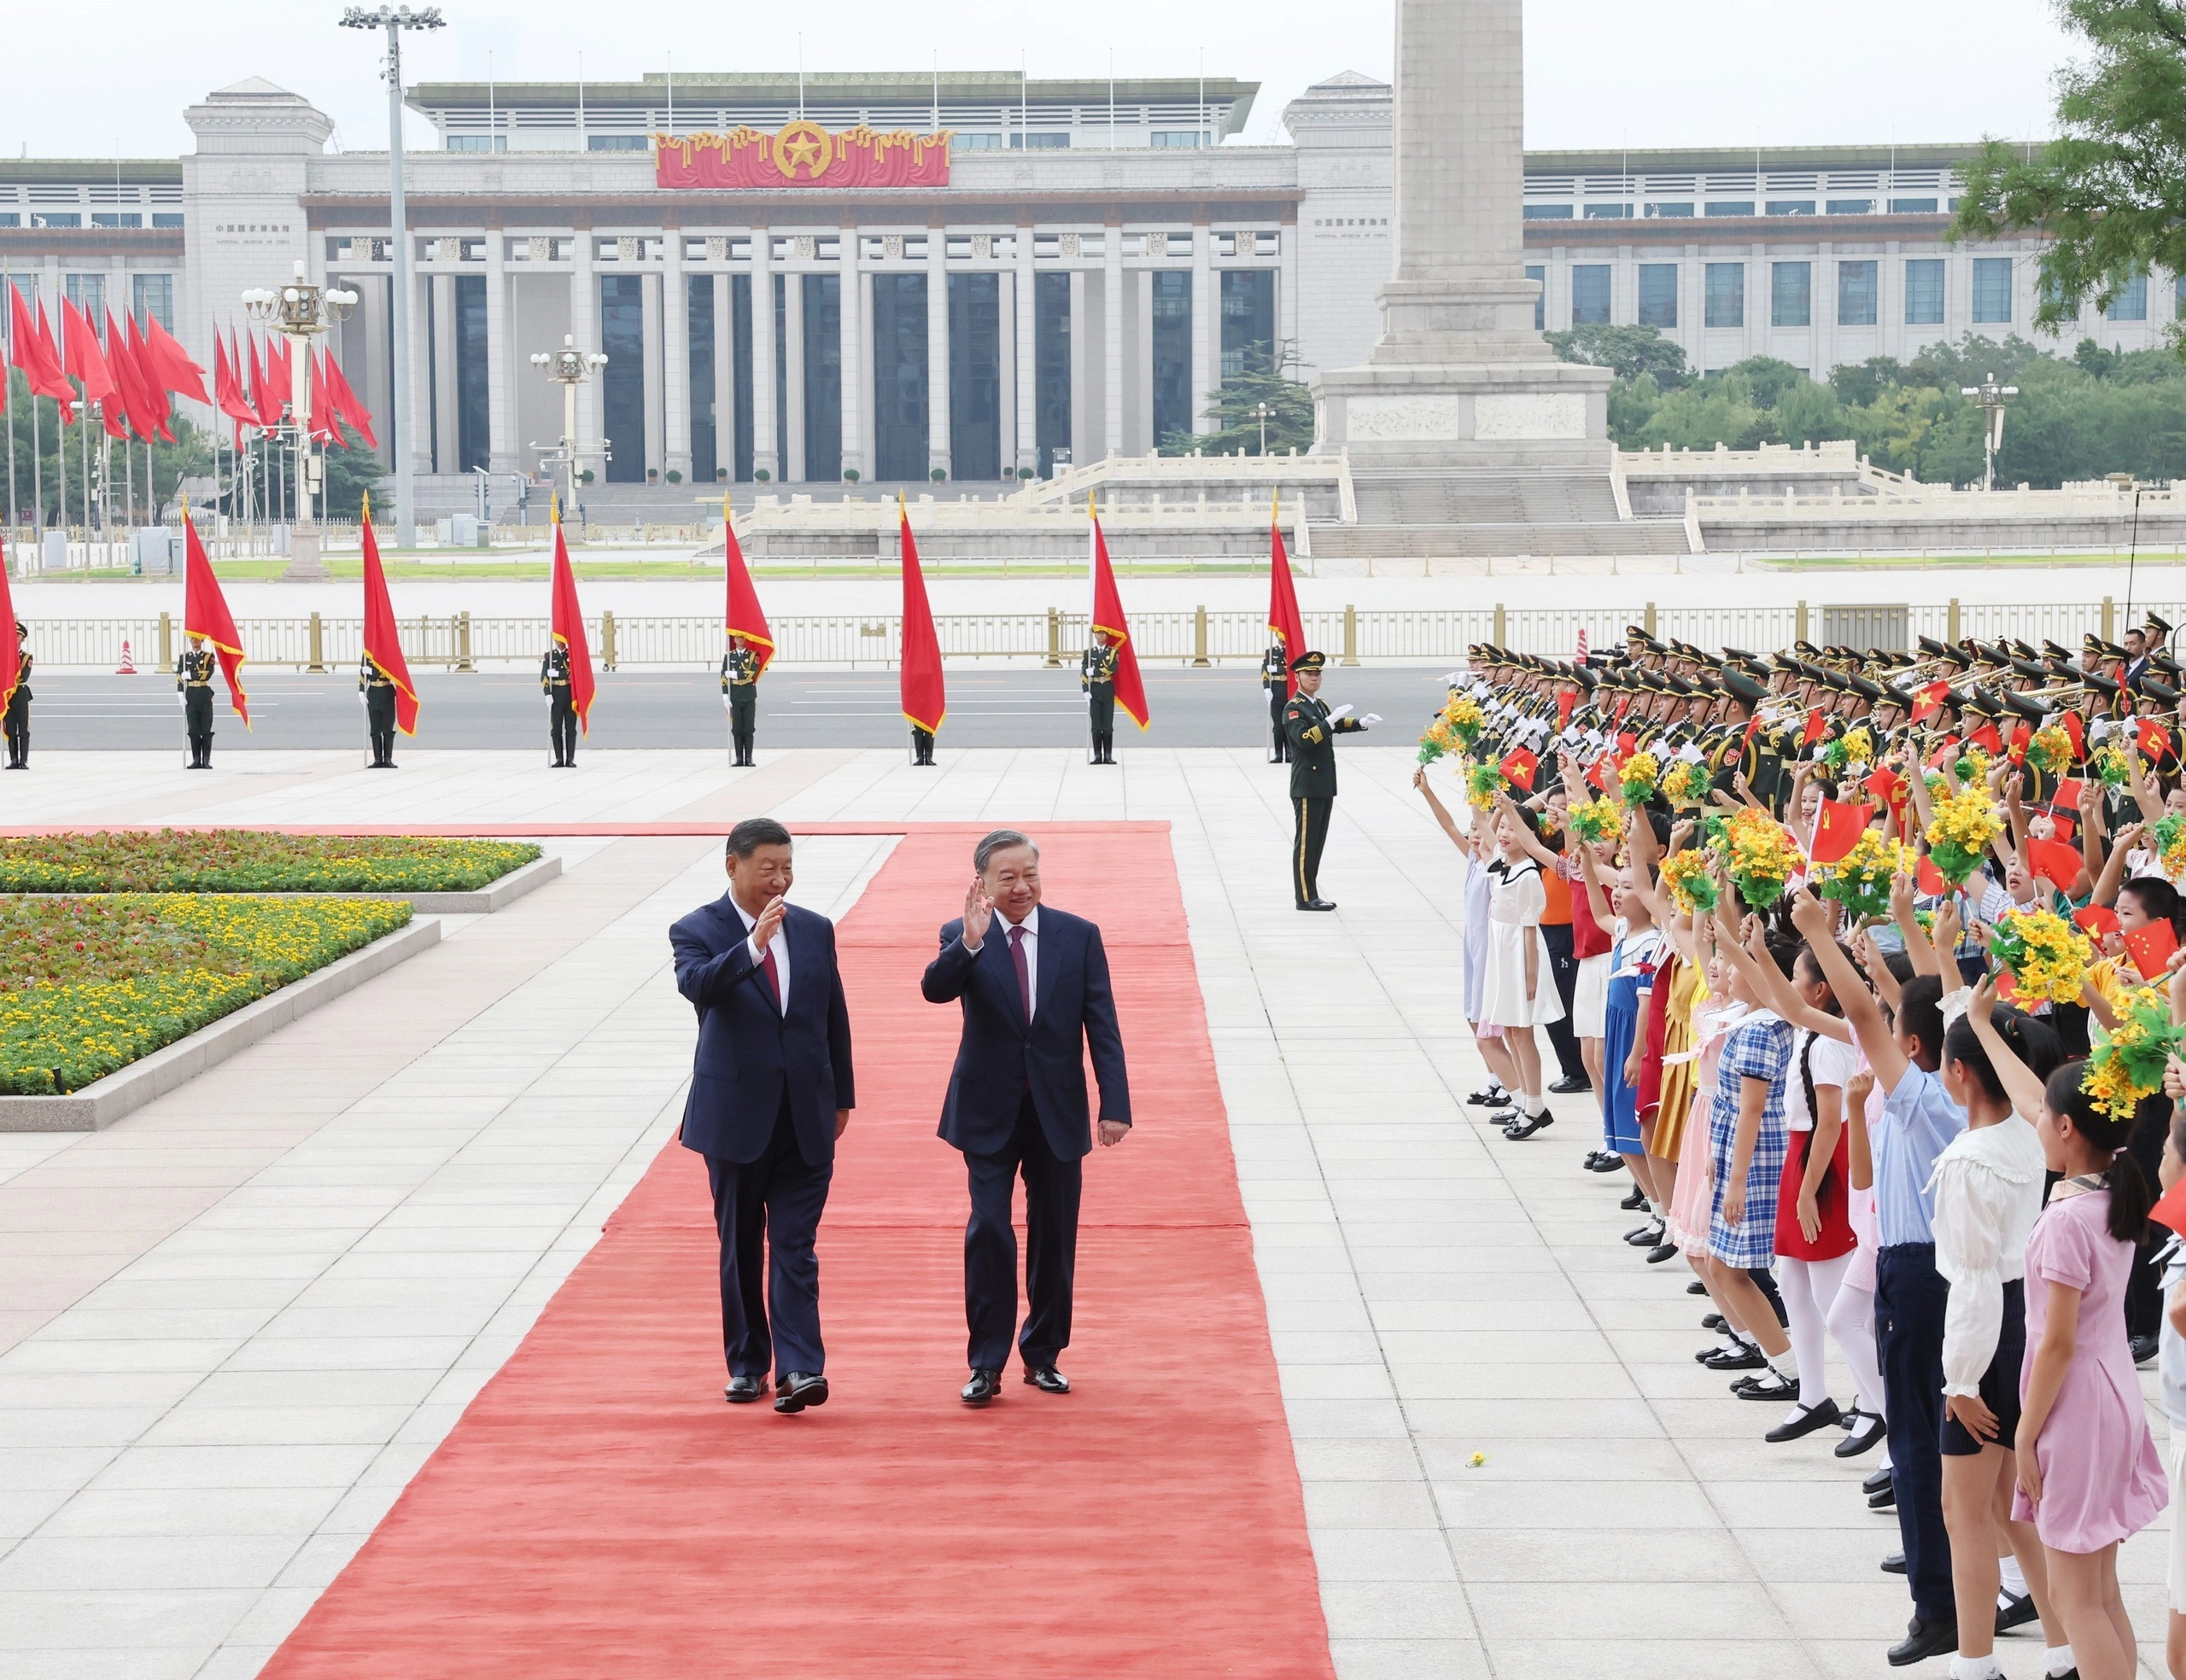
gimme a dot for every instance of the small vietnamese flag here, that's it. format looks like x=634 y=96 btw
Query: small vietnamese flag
x=1929 y=878
x=1837 y=829
x=2021 y=737
x=1927 y=702
x=1987 y=740
x=2055 y=861
x=2151 y=948
x=2007 y=985
x=2098 y=920
x=1817 y=726
x=1519 y=766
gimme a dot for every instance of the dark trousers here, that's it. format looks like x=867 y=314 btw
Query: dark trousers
x=1564 y=968
x=562 y=726
x=772 y=1203
x=743 y=721
x=921 y=745
x=1052 y=1186
x=379 y=723
x=2144 y=1285
x=1910 y=1297
x=1278 y=698
x=19 y=730
x=1101 y=721
x=1305 y=850
x=197 y=720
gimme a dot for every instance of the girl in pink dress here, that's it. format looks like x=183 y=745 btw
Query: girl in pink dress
x=2088 y=1470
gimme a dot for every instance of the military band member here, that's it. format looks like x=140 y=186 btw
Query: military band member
x=19 y=703
x=1274 y=678
x=1096 y=675
x=193 y=679
x=561 y=711
x=1312 y=732
x=378 y=693
x=740 y=687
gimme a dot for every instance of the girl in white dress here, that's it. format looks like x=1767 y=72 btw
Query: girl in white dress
x=1521 y=990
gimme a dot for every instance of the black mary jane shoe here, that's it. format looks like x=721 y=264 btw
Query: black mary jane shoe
x=2018 y=1613
x=1924 y=1638
x=1745 y=1357
x=1539 y=1121
x=1769 y=1388
x=1664 y=1250
x=1878 y=1481
x=1865 y=1434
x=1635 y=1199
x=1493 y=1097
x=1820 y=1415
x=1694 y=1286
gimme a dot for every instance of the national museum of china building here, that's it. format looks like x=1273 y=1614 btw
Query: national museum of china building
x=804 y=283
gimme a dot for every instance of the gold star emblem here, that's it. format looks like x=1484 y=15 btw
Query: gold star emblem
x=803 y=146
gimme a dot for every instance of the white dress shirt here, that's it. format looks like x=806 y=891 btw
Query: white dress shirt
x=999 y=929
x=1988 y=1190
x=778 y=945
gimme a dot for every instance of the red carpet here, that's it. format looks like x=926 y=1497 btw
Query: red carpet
x=599 y=1515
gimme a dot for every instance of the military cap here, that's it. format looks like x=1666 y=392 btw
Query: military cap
x=2165 y=663
x=2091 y=643
x=1740 y=687
x=2149 y=689
x=1309 y=662
x=1980 y=703
x=2053 y=651
x=2099 y=683
x=2024 y=705
x=1869 y=691
x=2158 y=625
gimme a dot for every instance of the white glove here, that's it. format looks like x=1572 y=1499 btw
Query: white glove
x=726 y=704
x=1689 y=754
x=361 y=700
x=1339 y=711
x=1370 y=718
x=181 y=700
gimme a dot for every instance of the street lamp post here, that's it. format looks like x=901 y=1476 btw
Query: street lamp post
x=569 y=367
x=1991 y=397
x=395 y=20
x=299 y=312
x=1263 y=410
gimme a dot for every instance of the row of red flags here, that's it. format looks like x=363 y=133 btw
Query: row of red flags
x=131 y=376
x=253 y=391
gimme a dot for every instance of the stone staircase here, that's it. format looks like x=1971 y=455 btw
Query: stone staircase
x=1415 y=515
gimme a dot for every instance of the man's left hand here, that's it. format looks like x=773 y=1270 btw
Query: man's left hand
x=842 y=1121
x=1114 y=1131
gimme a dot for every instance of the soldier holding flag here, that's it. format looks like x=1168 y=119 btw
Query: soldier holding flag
x=750 y=645
x=1109 y=671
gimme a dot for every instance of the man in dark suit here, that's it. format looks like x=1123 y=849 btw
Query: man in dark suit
x=771 y=1090
x=1034 y=986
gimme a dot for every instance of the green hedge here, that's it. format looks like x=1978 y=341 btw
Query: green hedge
x=88 y=985
x=236 y=859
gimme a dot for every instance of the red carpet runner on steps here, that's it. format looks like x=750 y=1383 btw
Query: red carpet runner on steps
x=598 y=1514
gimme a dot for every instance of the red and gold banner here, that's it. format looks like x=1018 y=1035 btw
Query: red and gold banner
x=802 y=155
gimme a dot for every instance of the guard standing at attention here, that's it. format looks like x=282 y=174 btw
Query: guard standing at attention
x=1096 y=675
x=1310 y=730
x=1274 y=678
x=193 y=676
x=561 y=715
x=378 y=689
x=740 y=687
x=19 y=703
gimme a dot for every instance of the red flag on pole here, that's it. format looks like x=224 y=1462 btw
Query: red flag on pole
x=346 y=404
x=270 y=385
x=745 y=617
x=1817 y=726
x=171 y=363
x=2150 y=946
x=49 y=355
x=568 y=628
x=1108 y=620
x=383 y=639
x=1837 y=829
x=130 y=384
x=2076 y=733
x=1519 y=766
x=1928 y=700
x=31 y=350
x=11 y=663
x=1987 y=740
x=1284 y=621
x=85 y=361
x=926 y=698
x=205 y=613
x=149 y=388
x=227 y=386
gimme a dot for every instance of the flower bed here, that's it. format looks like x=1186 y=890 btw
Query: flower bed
x=236 y=859
x=88 y=985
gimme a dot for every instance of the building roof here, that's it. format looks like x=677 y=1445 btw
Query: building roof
x=91 y=172
x=1677 y=160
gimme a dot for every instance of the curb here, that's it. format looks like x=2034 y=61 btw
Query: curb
x=104 y=1101
x=494 y=896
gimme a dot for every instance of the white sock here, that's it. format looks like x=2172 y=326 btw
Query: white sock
x=2014 y=1578
x=1975 y=1668
x=1785 y=1365
x=1797 y=1412
x=2057 y=1660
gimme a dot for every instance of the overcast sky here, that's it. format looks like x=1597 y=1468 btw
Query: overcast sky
x=1598 y=73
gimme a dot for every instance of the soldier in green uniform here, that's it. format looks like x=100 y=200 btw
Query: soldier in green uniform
x=1311 y=731
x=740 y=687
x=1096 y=675
x=378 y=693
x=1274 y=678
x=19 y=703
x=193 y=678
x=561 y=712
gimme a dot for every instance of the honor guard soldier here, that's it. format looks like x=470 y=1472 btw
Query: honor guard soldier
x=18 y=704
x=1274 y=678
x=561 y=713
x=740 y=687
x=193 y=677
x=1311 y=731
x=378 y=692
x=1096 y=675
x=921 y=746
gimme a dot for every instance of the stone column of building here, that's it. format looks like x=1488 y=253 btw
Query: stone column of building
x=675 y=357
x=1112 y=340
x=1028 y=388
x=764 y=452
x=794 y=369
x=501 y=392
x=652 y=315
x=447 y=344
x=584 y=327
x=423 y=433
x=857 y=382
x=1206 y=326
x=937 y=350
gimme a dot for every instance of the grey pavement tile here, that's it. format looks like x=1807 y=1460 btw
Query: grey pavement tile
x=1374 y=1504
x=1726 y=1659
x=1397 y=1610
x=1381 y=1554
x=208 y=1561
x=258 y=1464
x=1517 y=1611
x=113 y=1513
x=1408 y=1659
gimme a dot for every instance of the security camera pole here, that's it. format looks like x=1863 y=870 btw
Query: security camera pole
x=1991 y=397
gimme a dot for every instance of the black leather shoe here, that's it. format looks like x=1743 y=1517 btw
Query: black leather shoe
x=1046 y=1380
x=2018 y=1613
x=1867 y=1432
x=1635 y=1200
x=1770 y=1387
x=1571 y=1084
x=1713 y=1322
x=743 y=1391
x=1885 y=1501
x=1820 y=1415
x=1894 y=1564
x=1877 y=1480
x=2144 y=1348
x=982 y=1388
x=1744 y=1357
x=1664 y=1250
x=1694 y=1286
x=1319 y=904
x=1532 y=1124
x=1493 y=1097
x=1646 y=1236
x=1923 y=1639
x=1602 y=1161
x=800 y=1389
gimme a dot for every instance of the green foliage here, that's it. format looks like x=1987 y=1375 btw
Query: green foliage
x=236 y=859
x=2108 y=194
x=1626 y=352
x=1235 y=411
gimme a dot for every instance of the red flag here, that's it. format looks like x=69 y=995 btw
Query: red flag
x=85 y=361
x=11 y=663
x=745 y=617
x=256 y=395
x=1837 y=829
x=325 y=413
x=1817 y=726
x=1284 y=621
x=568 y=628
x=269 y=386
x=2067 y=796
x=2055 y=860
x=2098 y=920
x=48 y=353
x=205 y=613
x=1928 y=700
x=32 y=349
x=1519 y=766
x=2021 y=737
x=2076 y=733
x=925 y=696
x=2065 y=826
x=2154 y=739
x=1108 y=620
x=1886 y=785
x=1929 y=878
x=1601 y=772
x=148 y=389
x=348 y=404
x=2150 y=948
x=171 y=363
x=383 y=639
x=2170 y=1209
x=1987 y=740
x=227 y=386
x=1565 y=700
x=144 y=416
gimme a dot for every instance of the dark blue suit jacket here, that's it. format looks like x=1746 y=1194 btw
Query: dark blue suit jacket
x=749 y=1052
x=999 y=1056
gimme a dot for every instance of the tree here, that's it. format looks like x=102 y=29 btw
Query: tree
x=1627 y=351
x=350 y=473
x=1236 y=411
x=2109 y=194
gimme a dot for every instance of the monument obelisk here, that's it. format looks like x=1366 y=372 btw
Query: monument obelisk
x=1459 y=380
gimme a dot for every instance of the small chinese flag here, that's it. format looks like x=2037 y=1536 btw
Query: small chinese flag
x=1564 y=702
x=2066 y=827
x=2150 y=948
x=2055 y=861
x=2076 y=733
x=1519 y=766
x=2067 y=796
x=1837 y=829
x=1929 y=878
x=2097 y=919
x=1927 y=702
x=1627 y=744
x=1816 y=725
x=1987 y=740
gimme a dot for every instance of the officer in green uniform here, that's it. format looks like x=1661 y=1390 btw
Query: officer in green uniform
x=379 y=712
x=1274 y=678
x=18 y=704
x=193 y=677
x=739 y=685
x=561 y=712
x=1096 y=675
x=1311 y=732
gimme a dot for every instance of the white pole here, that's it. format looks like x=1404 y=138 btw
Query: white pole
x=405 y=489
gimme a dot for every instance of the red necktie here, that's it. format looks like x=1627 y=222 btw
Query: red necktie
x=1024 y=969
x=774 y=975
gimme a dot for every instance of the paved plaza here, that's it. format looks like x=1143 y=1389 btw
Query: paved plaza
x=236 y=1324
